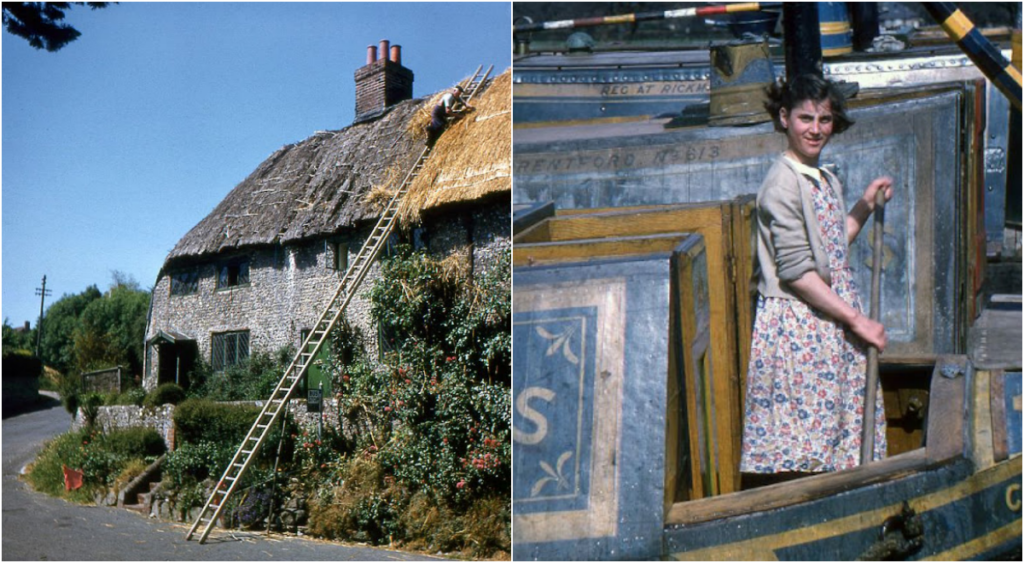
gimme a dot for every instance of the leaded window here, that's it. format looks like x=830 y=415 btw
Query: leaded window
x=229 y=349
x=233 y=274
x=185 y=282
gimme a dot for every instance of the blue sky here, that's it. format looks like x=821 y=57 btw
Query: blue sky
x=117 y=145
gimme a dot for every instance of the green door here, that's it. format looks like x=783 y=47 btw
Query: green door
x=315 y=375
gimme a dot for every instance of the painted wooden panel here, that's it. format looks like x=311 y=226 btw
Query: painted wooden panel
x=526 y=215
x=914 y=140
x=716 y=222
x=599 y=440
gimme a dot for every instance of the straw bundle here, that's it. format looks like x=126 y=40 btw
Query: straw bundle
x=472 y=159
x=383 y=191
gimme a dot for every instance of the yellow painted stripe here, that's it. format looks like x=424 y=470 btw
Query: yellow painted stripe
x=743 y=7
x=957 y=25
x=1014 y=74
x=743 y=550
x=834 y=28
x=628 y=18
x=978 y=545
x=836 y=51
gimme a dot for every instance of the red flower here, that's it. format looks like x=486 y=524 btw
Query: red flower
x=460 y=484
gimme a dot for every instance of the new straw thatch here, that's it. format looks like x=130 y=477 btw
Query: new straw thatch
x=322 y=185
x=473 y=159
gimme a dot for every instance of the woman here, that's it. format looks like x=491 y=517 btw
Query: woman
x=806 y=379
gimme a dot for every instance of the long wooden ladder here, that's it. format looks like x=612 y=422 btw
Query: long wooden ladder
x=278 y=400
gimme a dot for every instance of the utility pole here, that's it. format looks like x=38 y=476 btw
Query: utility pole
x=42 y=293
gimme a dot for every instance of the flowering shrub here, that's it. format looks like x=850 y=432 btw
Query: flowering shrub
x=441 y=401
x=433 y=416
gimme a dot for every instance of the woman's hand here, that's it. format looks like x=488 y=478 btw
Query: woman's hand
x=881 y=184
x=815 y=292
x=866 y=205
x=871 y=332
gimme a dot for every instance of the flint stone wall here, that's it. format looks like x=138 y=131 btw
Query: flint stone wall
x=290 y=285
x=161 y=418
x=119 y=417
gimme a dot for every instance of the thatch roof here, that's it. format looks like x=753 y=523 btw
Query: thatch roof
x=322 y=185
x=472 y=159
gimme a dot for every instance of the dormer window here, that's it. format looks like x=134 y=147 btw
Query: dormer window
x=233 y=274
x=185 y=282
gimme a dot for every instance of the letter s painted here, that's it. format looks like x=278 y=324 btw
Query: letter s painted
x=523 y=408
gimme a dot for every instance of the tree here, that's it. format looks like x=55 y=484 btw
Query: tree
x=111 y=330
x=16 y=339
x=62 y=318
x=41 y=23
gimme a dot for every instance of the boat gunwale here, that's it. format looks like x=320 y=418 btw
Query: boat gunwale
x=945 y=444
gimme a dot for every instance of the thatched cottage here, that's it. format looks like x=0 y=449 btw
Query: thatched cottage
x=256 y=273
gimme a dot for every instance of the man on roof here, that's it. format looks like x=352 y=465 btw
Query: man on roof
x=450 y=105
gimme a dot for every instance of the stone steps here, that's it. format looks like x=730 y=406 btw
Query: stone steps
x=138 y=494
x=144 y=501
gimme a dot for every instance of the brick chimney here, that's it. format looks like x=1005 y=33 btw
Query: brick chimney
x=383 y=81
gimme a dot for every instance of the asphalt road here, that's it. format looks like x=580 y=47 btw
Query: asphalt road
x=40 y=527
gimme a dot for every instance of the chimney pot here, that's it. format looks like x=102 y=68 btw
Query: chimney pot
x=383 y=82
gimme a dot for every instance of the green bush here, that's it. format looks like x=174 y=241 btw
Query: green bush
x=197 y=420
x=168 y=393
x=251 y=380
x=135 y=442
x=134 y=396
x=194 y=462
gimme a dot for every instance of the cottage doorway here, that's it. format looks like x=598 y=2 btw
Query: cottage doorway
x=176 y=358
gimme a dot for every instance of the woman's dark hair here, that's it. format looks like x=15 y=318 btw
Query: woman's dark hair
x=807 y=87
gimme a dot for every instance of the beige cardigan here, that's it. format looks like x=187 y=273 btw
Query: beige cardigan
x=789 y=242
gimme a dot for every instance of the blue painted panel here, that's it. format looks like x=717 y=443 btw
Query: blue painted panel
x=1011 y=393
x=590 y=371
x=554 y=355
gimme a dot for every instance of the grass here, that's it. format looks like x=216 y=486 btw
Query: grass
x=107 y=460
x=46 y=474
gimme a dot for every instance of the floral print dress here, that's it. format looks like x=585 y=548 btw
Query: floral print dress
x=806 y=379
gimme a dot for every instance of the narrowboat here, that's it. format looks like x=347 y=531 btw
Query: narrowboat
x=633 y=301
